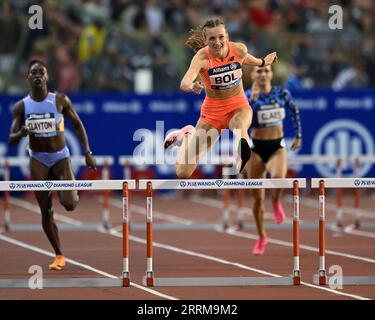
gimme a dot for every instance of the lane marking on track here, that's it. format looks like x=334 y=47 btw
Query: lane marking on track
x=34 y=208
x=234 y=232
x=235 y=264
x=140 y=210
x=226 y=262
x=309 y=202
x=83 y=265
x=219 y=204
x=351 y=229
x=332 y=207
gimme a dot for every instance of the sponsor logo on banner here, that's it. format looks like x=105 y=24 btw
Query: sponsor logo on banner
x=49 y=185
x=319 y=103
x=364 y=183
x=365 y=103
x=345 y=138
x=220 y=183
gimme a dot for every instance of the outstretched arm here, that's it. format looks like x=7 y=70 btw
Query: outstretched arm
x=71 y=114
x=17 y=130
x=188 y=83
x=295 y=118
x=263 y=62
x=253 y=61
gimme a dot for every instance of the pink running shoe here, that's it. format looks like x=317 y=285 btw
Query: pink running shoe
x=278 y=212
x=176 y=136
x=260 y=246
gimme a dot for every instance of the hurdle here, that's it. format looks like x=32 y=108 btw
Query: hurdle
x=303 y=159
x=227 y=172
x=150 y=185
x=299 y=159
x=321 y=278
x=8 y=162
x=356 y=162
x=88 y=185
x=127 y=162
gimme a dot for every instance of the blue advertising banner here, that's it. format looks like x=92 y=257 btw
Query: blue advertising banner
x=333 y=123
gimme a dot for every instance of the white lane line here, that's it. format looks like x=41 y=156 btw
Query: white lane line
x=352 y=230
x=83 y=265
x=239 y=265
x=235 y=264
x=349 y=230
x=302 y=246
x=280 y=242
x=332 y=207
x=32 y=207
x=59 y=217
x=219 y=204
x=140 y=209
x=162 y=216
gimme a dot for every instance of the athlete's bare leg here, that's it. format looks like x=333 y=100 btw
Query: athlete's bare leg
x=277 y=166
x=194 y=147
x=62 y=170
x=257 y=170
x=39 y=171
x=239 y=124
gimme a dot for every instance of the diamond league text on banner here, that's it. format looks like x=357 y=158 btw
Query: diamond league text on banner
x=333 y=123
x=24 y=186
x=218 y=183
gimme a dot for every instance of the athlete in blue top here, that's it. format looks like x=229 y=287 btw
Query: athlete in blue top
x=270 y=104
x=40 y=115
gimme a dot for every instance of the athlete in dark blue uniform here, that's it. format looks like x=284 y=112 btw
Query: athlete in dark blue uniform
x=270 y=106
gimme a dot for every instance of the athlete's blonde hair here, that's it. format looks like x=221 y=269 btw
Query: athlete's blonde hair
x=196 y=39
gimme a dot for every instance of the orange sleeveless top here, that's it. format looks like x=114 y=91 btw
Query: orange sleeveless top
x=222 y=73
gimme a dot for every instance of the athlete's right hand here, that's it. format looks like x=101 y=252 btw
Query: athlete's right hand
x=24 y=131
x=197 y=87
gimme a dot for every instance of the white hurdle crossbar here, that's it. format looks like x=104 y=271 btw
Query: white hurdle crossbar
x=322 y=183
x=150 y=185
x=357 y=161
x=12 y=161
x=124 y=185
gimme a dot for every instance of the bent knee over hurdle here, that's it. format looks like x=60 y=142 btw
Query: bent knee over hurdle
x=69 y=200
x=185 y=171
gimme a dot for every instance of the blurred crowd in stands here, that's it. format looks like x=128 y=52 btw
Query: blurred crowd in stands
x=101 y=45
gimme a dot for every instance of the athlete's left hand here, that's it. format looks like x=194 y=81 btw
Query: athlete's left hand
x=270 y=58
x=90 y=161
x=296 y=144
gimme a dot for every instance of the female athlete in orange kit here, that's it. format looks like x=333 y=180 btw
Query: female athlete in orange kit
x=218 y=62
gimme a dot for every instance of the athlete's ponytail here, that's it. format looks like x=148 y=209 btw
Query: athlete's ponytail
x=196 y=38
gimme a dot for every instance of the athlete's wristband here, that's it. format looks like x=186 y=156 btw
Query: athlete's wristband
x=263 y=63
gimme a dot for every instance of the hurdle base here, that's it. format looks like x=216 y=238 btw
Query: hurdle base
x=63 y=283
x=220 y=281
x=149 y=279
x=126 y=279
x=297 y=277
x=348 y=280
